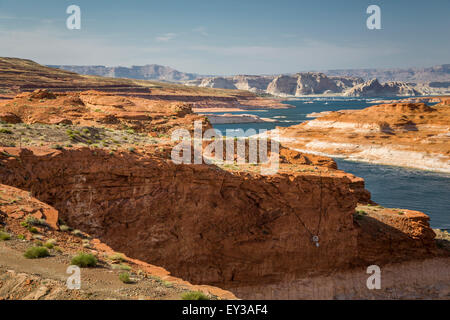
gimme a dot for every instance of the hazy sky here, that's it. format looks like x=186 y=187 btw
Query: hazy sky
x=227 y=36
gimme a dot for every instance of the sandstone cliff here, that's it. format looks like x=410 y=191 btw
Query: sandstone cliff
x=373 y=88
x=300 y=84
x=312 y=83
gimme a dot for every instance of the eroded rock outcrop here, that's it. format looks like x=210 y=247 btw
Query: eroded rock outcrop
x=300 y=84
x=93 y=108
x=373 y=88
x=405 y=134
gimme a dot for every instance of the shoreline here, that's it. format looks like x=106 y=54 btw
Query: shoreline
x=386 y=162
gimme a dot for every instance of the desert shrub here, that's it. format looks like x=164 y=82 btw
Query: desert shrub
x=21 y=237
x=36 y=252
x=33 y=229
x=86 y=243
x=194 y=295
x=125 y=277
x=4 y=236
x=77 y=233
x=122 y=267
x=84 y=260
x=6 y=131
x=57 y=147
x=33 y=221
x=117 y=257
x=64 y=228
x=50 y=244
x=359 y=214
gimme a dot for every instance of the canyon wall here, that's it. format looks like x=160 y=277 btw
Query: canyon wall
x=202 y=224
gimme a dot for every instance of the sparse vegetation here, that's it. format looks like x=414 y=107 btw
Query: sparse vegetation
x=359 y=214
x=84 y=260
x=33 y=221
x=117 y=257
x=64 y=228
x=36 y=252
x=4 y=236
x=125 y=277
x=122 y=267
x=50 y=244
x=194 y=295
x=77 y=233
x=5 y=131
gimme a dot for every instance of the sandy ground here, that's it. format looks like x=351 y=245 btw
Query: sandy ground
x=19 y=277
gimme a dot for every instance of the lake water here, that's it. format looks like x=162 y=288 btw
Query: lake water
x=390 y=186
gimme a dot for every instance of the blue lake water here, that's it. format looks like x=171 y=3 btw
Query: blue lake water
x=390 y=186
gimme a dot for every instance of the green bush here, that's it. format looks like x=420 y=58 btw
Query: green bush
x=50 y=243
x=33 y=229
x=117 y=257
x=4 y=236
x=122 y=267
x=125 y=277
x=84 y=260
x=36 y=252
x=33 y=221
x=194 y=295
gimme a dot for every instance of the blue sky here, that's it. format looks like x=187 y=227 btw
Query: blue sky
x=229 y=37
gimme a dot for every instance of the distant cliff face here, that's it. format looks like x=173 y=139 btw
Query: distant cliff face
x=317 y=83
x=373 y=88
x=300 y=84
x=417 y=75
x=147 y=72
x=310 y=83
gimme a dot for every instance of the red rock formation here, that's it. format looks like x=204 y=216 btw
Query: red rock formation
x=92 y=108
x=18 y=204
x=203 y=224
x=404 y=134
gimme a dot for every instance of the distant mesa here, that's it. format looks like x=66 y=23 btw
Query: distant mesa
x=349 y=82
x=147 y=72
x=353 y=82
x=374 y=88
